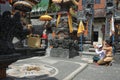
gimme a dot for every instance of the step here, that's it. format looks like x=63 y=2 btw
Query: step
x=91 y=46
x=87 y=42
x=88 y=53
x=91 y=49
x=117 y=50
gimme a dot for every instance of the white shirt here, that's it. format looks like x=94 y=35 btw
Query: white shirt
x=101 y=53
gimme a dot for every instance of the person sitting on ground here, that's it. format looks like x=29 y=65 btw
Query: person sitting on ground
x=100 y=52
x=108 y=53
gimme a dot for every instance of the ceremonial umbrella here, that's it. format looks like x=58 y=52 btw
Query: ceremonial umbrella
x=81 y=28
x=33 y=2
x=59 y=1
x=80 y=31
x=22 y=6
x=45 y=18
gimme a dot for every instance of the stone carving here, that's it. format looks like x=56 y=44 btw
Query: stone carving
x=110 y=9
x=10 y=27
x=63 y=42
x=64 y=4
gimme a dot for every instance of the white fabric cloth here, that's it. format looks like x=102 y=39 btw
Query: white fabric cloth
x=112 y=28
x=100 y=53
x=99 y=45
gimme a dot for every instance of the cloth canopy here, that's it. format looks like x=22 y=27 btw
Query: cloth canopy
x=22 y=6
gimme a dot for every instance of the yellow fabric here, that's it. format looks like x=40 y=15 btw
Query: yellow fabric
x=80 y=28
x=72 y=12
x=58 y=19
x=108 y=59
x=70 y=23
x=10 y=1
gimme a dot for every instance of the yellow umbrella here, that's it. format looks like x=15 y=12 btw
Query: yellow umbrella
x=80 y=28
x=59 y=1
x=45 y=18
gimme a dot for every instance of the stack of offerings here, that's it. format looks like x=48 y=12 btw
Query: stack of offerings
x=34 y=41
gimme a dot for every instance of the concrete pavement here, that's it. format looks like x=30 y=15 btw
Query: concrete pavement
x=93 y=72
x=77 y=68
x=66 y=69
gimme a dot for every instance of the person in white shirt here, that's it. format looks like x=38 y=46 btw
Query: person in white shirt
x=100 y=52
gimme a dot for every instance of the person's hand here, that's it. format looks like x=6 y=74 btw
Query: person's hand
x=94 y=45
x=104 y=43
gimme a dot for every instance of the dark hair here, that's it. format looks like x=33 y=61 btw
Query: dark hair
x=109 y=42
x=6 y=14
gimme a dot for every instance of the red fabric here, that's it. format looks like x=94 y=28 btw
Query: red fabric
x=44 y=36
x=10 y=1
x=2 y=1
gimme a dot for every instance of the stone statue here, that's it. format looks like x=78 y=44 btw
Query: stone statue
x=10 y=27
x=63 y=45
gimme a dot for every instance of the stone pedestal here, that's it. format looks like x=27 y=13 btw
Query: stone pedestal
x=63 y=53
x=86 y=47
x=3 y=73
x=59 y=52
x=5 y=61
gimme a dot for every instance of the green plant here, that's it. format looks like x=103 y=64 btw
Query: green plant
x=53 y=8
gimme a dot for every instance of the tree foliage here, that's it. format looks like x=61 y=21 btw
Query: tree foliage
x=53 y=8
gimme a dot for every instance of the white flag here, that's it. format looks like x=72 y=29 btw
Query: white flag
x=112 y=28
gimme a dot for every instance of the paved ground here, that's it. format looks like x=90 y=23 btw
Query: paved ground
x=93 y=72
x=66 y=68
x=77 y=68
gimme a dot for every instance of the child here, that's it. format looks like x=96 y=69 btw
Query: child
x=100 y=52
x=108 y=54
